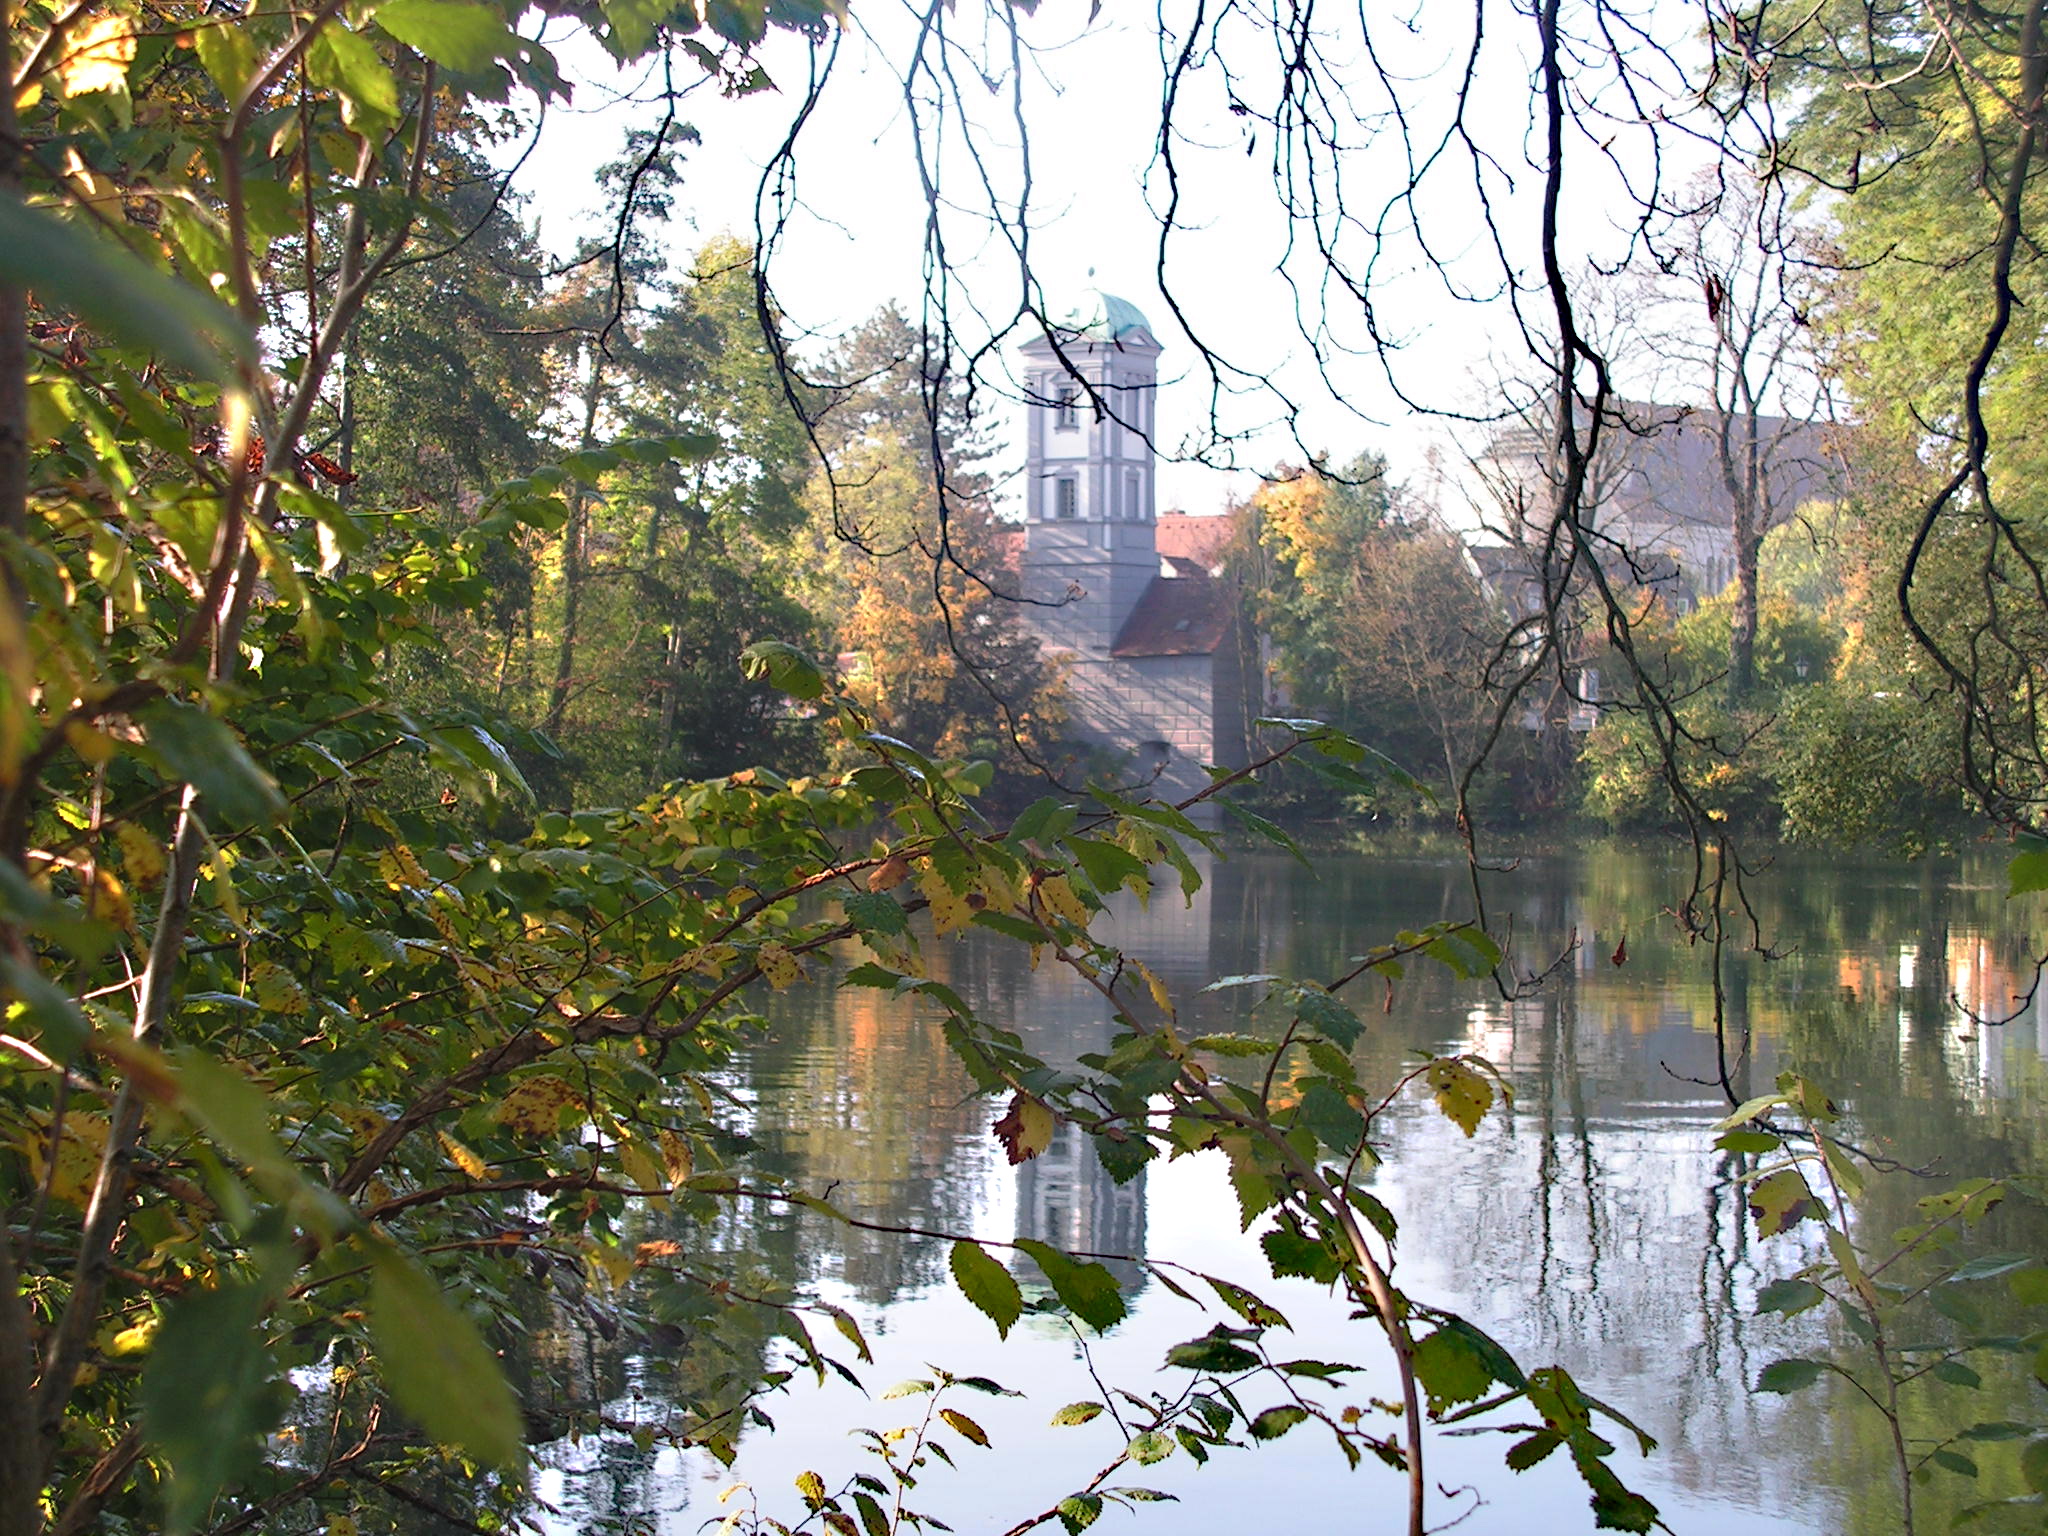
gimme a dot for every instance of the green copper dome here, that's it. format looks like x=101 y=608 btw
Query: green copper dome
x=1105 y=317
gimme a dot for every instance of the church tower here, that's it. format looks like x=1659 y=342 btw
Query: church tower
x=1089 y=475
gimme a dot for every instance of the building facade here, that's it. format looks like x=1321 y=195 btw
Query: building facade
x=1148 y=646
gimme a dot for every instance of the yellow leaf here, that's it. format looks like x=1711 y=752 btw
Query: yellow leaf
x=399 y=868
x=610 y=1264
x=677 y=1156
x=950 y=908
x=106 y=899
x=1025 y=1130
x=142 y=856
x=462 y=1156
x=97 y=55
x=276 y=989
x=132 y=1340
x=640 y=1167
x=1061 y=902
x=1463 y=1092
x=1160 y=995
x=78 y=1156
x=534 y=1108
x=779 y=966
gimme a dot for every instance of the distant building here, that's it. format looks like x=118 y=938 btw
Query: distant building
x=1147 y=641
x=1656 y=490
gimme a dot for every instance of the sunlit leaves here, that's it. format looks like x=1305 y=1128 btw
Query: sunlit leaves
x=464 y=37
x=348 y=63
x=1076 y=1413
x=96 y=55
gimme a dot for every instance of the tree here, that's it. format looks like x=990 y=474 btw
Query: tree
x=907 y=561
x=1377 y=620
x=325 y=1047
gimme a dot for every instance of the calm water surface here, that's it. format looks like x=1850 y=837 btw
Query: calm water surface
x=1592 y=1226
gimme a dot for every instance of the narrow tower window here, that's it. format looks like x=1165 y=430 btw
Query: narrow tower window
x=1066 y=415
x=1134 y=507
x=1066 y=497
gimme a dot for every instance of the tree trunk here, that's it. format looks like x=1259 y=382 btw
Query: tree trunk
x=1742 y=622
x=574 y=534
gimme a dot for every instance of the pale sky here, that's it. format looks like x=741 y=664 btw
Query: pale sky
x=1092 y=101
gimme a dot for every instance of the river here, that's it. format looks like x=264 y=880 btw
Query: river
x=1592 y=1224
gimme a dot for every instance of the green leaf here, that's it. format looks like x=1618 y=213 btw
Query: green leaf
x=465 y=38
x=1275 y=1422
x=873 y=1522
x=877 y=912
x=1217 y=1352
x=1956 y=1374
x=234 y=1113
x=987 y=1284
x=1079 y=1511
x=1076 y=1413
x=198 y=748
x=1328 y=1017
x=1152 y=1446
x=1290 y=1253
x=1789 y=1297
x=348 y=63
x=2034 y=1464
x=1991 y=1265
x=1452 y=1368
x=1326 y=1111
x=51 y=1017
x=1525 y=1454
x=2028 y=869
x=1954 y=1461
x=226 y=53
x=1088 y=1290
x=209 y=1396
x=1780 y=1201
x=2029 y=1287
x=784 y=668
x=109 y=287
x=1998 y=1429
x=1748 y=1141
x=1108 y=867
x=1232 y=1045
x=1792 y=1375
x=437 y=1365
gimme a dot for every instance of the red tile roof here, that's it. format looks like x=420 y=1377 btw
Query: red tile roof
x=1194 y=537
x=1177 y=616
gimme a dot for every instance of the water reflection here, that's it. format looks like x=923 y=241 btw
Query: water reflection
x=1594 y=1226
